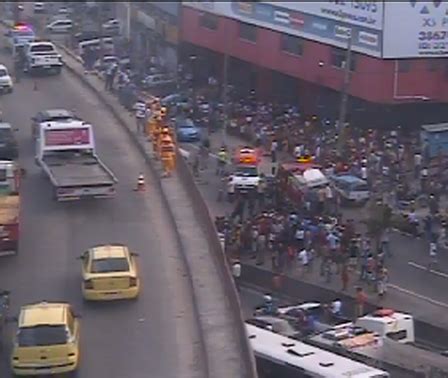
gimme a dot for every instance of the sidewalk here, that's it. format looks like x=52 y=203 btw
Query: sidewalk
x=398 y=296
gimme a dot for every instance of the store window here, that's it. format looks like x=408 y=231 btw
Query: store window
x=248 y=32
x=291 y=44
x=338 y=57
x=208 y=21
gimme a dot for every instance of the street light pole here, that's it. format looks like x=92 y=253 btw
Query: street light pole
x=225 y=100
x=344 y=94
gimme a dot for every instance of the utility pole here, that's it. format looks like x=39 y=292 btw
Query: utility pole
x=344 y=94
x=225 y=99
x=16 y=12
x=100 y=29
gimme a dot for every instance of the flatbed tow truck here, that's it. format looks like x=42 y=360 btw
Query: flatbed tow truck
x=66 y=153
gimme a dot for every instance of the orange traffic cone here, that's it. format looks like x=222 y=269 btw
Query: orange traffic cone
x=140 y=183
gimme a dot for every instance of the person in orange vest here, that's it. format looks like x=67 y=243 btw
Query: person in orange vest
x=164 y=137
x=156 y=138
x=167 y=156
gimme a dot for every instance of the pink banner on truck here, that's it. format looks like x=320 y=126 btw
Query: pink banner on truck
x=67 y=137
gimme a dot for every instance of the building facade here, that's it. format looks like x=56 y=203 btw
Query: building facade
x=297 y=51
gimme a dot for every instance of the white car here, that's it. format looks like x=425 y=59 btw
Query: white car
x=112 y=25
x=42 y=56
x=39 y=7
x=246 y=177
x=60 y=26
x=6 y=83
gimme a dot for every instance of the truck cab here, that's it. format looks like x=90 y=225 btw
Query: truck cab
x=397 y=326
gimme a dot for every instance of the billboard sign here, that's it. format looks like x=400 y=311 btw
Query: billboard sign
x=367 y=14
x=415 y=29
x=67 y=137
x=325 y=21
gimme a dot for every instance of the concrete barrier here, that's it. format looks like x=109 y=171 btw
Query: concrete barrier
x=185 y=174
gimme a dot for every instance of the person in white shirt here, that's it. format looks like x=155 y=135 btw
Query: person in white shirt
x=432 y=255
x=364 y=172
x=236 y=273
x=303 y=260
x=336 y=307
x=140 y=115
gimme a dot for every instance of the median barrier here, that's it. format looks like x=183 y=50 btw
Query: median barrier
x=203 y=215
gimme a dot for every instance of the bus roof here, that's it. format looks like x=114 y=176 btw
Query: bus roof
x=314 y=361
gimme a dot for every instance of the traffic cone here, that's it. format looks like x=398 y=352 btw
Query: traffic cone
x=140 y=183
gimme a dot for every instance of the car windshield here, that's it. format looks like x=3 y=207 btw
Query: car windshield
x=246 y=171
x=5 y=134
x=42 y=48
x=110 y=265
x=186 y=125
x=3 y=72
x=23 y=33
x=42 y=335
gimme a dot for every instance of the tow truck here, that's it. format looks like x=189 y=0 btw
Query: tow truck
x=9 y=207
x=66 y=153
x=246 y=175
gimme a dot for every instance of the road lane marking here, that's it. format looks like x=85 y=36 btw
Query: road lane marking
x=421 y=267
x=419 y=296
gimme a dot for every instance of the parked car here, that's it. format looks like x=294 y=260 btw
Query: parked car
x=60 y=26
x=9 y=149
x=176 y=100
x=187 y=131
x=112 y=25
x=6 y=83
x=157 y=80
x=39 y=7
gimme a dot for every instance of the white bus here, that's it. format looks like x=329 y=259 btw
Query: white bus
x=278 y=356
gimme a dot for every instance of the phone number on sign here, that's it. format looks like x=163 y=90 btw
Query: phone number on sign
x=433 y=35
x=433 y=47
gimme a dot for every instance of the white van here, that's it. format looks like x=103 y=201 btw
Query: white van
x=108 y=45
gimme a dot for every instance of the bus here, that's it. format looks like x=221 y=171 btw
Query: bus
x=279 y=356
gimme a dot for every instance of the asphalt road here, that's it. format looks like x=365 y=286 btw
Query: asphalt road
x=155 y=335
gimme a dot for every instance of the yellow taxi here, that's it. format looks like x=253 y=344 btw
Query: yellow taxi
x=109 y=272
x=47 y=340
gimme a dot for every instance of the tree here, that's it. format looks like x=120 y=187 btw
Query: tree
x=379 y=219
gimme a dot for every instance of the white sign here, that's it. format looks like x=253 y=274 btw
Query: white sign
x=415 y=29
x=354 y=12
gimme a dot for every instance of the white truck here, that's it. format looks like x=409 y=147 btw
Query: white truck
x=246 y=177
x=66 y=153
x=42 y=56
x=385 y=337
